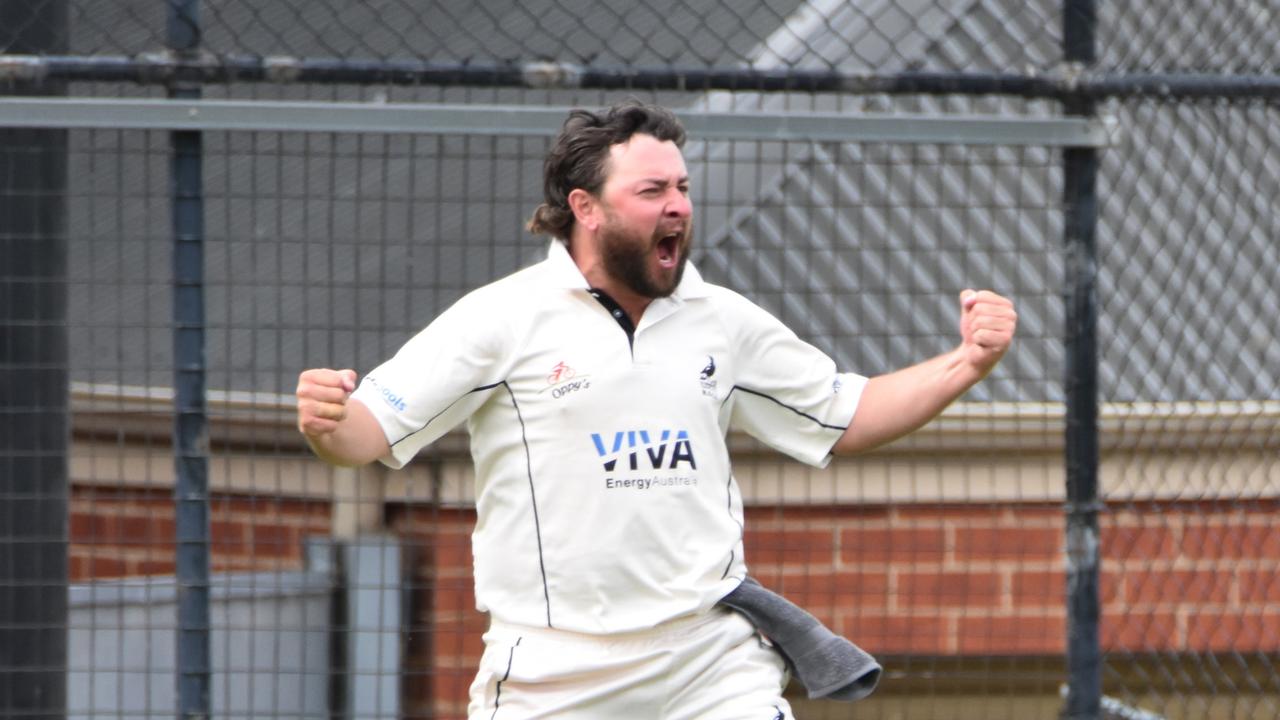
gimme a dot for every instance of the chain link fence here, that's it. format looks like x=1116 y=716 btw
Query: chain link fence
x=348 y=593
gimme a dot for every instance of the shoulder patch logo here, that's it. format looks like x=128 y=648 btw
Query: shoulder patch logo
x=704 y=377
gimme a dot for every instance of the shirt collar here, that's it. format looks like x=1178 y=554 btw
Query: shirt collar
x=565 y=273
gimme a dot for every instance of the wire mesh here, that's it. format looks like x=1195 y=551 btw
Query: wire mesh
x=1187 y=287
x=333 y=248
x=337 y=592
x=779 y=33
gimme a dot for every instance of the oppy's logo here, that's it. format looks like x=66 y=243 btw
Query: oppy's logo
x=659 y=450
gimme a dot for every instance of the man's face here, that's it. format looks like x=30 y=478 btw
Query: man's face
x=647 y=230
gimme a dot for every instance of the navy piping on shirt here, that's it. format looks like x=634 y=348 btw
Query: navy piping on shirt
x=528 y=463
x=497 y=695
x=533 y=498
x=482 y=388
x=782 y=404
x=728 y=491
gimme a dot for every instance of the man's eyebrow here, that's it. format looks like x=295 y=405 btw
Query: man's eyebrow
x=682 y=180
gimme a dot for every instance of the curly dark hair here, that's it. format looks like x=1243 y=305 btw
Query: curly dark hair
x=577 y=157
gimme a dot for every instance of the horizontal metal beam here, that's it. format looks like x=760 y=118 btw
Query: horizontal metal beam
x=515 y=120
x=1059 y=83
x=1182 y=86
x=166 y=67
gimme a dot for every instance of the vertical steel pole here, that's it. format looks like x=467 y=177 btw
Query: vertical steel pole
x=34 y=398
x=1080 y=206
x=190 y=430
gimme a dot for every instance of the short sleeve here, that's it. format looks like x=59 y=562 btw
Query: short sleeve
x=787 y=393
x=437 y=379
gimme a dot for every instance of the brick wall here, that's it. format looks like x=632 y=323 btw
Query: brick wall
x=445 y=644
x=128 y=532
x=937 y=580
x=925 y=580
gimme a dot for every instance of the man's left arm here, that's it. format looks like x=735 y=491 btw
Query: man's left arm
x=900 y=402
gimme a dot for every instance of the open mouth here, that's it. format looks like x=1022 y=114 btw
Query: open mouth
x=669 y=249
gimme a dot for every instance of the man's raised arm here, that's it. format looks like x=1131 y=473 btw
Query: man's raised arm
x=900 y=402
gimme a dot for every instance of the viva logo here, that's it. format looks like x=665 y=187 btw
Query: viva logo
x=641 y=449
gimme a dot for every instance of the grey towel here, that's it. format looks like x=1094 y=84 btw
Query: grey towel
x=828 y=665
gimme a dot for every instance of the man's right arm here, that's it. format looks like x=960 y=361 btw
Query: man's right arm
x=340 y=431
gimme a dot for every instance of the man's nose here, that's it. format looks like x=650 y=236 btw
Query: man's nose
x=679 y=205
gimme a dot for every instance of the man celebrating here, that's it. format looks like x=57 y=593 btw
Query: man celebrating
x=598 y=388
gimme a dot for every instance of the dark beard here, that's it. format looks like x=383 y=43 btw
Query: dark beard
x=626 y=258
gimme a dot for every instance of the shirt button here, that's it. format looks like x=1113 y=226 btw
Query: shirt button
x=617 y=314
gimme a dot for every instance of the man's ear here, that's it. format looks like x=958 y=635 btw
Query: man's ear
x=586 y=209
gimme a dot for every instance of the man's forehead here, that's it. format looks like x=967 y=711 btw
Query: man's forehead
x=644 y=156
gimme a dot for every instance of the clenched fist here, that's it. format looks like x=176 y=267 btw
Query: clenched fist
x=987 y=322
x=322 y=399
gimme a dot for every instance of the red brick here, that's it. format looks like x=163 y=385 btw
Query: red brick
x=1234 y=631
x=929 y=514
x=83 y=527
x=1039 y=589
x=1139 y=632
x=790 y=547
x=948 y=589
x=1017 y=635
x=774 y=515
x=1259 y=586
x=242 y=505
x=153 y=567
x=452 y=551
x=457 y=649
x=861 y=589
x=273 y=539
x=993 y=543
x=1143 y=542
x=449 y=691
x=895 y=544
x=1236 y=541
x=99 y=568
x=456 y=597
x=1177 y=586
x=229 y=536
x=827 y=589
x=895 y=633
x=152 y=531
x=91 y=528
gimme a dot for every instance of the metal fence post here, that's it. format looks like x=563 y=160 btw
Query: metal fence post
x=34 y=399
x=190 y=432
x=1080 y=208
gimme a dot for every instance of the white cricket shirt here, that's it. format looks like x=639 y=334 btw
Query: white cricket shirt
x=604 y=495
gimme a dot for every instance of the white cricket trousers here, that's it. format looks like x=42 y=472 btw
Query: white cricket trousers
x=712 y=666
